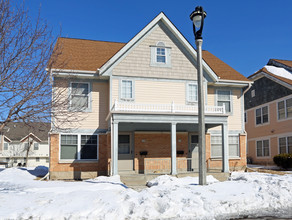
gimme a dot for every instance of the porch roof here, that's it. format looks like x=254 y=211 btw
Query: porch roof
x=150 y=119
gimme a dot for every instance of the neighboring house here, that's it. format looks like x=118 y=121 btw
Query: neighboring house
x=138 y=101
x=268 y=112
x=18 y=136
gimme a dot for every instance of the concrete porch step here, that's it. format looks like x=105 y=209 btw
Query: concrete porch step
x=140 y=180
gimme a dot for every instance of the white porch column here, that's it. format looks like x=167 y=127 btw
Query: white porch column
x=225 y=149
x=173 y=149
x=114 y=147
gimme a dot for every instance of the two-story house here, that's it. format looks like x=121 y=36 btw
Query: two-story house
x=268 y=112
x=138 y=104
x=25 y=144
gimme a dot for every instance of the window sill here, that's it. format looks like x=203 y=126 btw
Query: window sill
x=127 y=100
x=230 y=158
x=80 y=110
x=78 y=161
x=160 y=65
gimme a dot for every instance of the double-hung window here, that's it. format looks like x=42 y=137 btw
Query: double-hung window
x=216 y=146
x=127 y=90
x=79 y=96
x=285 y=109
x=69 y=146
x=263 y=148
x=36 y=146
x=262 y=115
x=88 y=147
x=160 y=55
x=6 y=146
x=224 y=99
x=80 y=147
x=285 y=145
x=192 y=93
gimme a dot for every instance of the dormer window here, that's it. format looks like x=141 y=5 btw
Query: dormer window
x=160 y=55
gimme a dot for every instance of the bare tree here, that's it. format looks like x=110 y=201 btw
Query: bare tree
x=25 y=50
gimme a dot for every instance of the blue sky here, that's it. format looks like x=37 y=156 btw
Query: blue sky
x=244 y=34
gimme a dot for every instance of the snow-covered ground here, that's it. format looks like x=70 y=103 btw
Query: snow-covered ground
x=245 y=194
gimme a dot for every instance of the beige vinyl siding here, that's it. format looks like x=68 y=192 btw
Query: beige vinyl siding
x=137 y=61
x=154 y=92
x=235 y=118
x=211 y=96
x=115 y=90
x=85 y=120
x=157 y=92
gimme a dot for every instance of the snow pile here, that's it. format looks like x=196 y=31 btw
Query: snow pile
x=245 y=194
x=279 y=72
x=170 y=180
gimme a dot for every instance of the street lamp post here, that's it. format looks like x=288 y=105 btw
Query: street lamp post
x=197 y=17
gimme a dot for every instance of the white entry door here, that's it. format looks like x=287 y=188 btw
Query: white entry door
x=125 y=157
x=193 y=155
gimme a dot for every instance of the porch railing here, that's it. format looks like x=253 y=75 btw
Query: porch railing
x=165 y=108
x=163 y=165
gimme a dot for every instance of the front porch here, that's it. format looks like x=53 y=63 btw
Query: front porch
x=161 y=143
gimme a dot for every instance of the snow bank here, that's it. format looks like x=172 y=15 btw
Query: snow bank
x=170 y=180
x=279 y=72
x=245 y=194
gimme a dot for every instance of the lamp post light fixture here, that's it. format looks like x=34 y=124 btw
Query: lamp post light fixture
x=197 y=17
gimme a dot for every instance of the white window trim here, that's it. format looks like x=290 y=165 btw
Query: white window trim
x=262 y=140
x=7 y=146
x=188 y=102
x=78 y=149
x=255 y=115
x=120 y=90
x=88 y=109
x=153 y=54
x=286 y=137
x=285 y=108
x=231 y=99
x=230 y=157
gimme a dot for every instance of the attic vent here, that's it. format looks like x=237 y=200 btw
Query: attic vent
x=252 y=93
x=160 y=44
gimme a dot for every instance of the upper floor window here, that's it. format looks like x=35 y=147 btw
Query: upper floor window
x=263 y=148
x=285 y=109
x=36 y=146
x=6 y=145
x=160 y=55
x=127 y=89
x=224 y=98
x=262 y=115
x=285 y=145
x=192 y=93
x=79 y=96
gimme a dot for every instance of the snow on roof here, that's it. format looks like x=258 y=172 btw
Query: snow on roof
x=282 y=72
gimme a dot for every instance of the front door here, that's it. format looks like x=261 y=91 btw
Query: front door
x=193 y=155
x=125 y=161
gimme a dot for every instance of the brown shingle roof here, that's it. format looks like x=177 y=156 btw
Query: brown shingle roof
x=285 y=62
x=271 y=74
x=223 y=70
x=18 y=130
x=89 y=55
x=79 y=54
